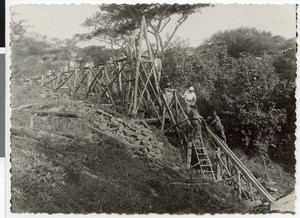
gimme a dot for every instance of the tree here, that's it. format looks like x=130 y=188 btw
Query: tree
x=248 y=76
x=98 y=54
x=17 y=27
x=247 y=40
x=113 y=20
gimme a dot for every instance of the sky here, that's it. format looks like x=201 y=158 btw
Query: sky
x=63 y=21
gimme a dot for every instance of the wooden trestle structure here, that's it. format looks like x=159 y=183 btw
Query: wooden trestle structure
x=132 y=85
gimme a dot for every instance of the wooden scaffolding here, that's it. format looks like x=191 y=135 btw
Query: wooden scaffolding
x=131 y=83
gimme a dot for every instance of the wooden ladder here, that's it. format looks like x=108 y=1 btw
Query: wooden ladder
x=203 y=160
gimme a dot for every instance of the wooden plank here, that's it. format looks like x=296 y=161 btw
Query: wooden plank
x=218 y=171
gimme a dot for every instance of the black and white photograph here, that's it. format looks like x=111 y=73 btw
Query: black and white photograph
x=153 y=108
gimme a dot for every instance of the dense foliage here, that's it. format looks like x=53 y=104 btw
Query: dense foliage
x=249 y=78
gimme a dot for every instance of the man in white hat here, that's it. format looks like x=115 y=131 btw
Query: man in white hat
x=190 y=98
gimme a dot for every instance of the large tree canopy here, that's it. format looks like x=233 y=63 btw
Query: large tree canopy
x=113 y=20
x=247 y=40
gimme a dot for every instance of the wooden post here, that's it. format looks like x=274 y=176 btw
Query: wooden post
x=239 y=183
x=120 y=78
x=189 y=155
x=99 y=74
x=144 y=26
x=137 y=74
x=163 y=119
x=89 y=78
x=75 y=79
x=251 y=191
x=31 y=122
x=218 y=165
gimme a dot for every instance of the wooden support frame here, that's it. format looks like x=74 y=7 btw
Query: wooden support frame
x=94 y=80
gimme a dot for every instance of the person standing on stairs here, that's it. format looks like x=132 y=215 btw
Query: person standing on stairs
x=190 y=98
x=217 y=126
x=195 y=118
x=168 y=96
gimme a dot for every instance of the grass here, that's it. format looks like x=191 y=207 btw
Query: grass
x=104 y=178
x=285 y=182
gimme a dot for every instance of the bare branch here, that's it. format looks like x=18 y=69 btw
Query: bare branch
x=166 y=22
x=179 y=22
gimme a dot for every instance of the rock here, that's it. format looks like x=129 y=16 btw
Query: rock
x=149 y=145
x=131 y=140
x=143 y=142
x=89 y=137
x=176 y=168
x=119 y=120
x=103 y=126
x=254 y=203
x=160 y=144
x=121 y=127
x=270 y=183
x=139 y=152
x=149 y=157
x=128 y=133
x=143 y=149
x=271 y=189
x=157 y=152
x=152 y=153
x=153 y=192
x=137 y=143
x=144 y=133
x=55 y=109
x=139 y=136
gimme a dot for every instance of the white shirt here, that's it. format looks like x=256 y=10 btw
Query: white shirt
x=190 y=97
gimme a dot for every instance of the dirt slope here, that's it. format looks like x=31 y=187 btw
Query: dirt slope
x=78 y=165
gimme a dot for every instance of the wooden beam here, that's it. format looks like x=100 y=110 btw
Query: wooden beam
x=92 y=83
x=64 y=81
x=80 y=84
x=218 y=171
x=241 y=166
x=137 y=75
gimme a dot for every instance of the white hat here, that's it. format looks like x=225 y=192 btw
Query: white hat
x=191 y=88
